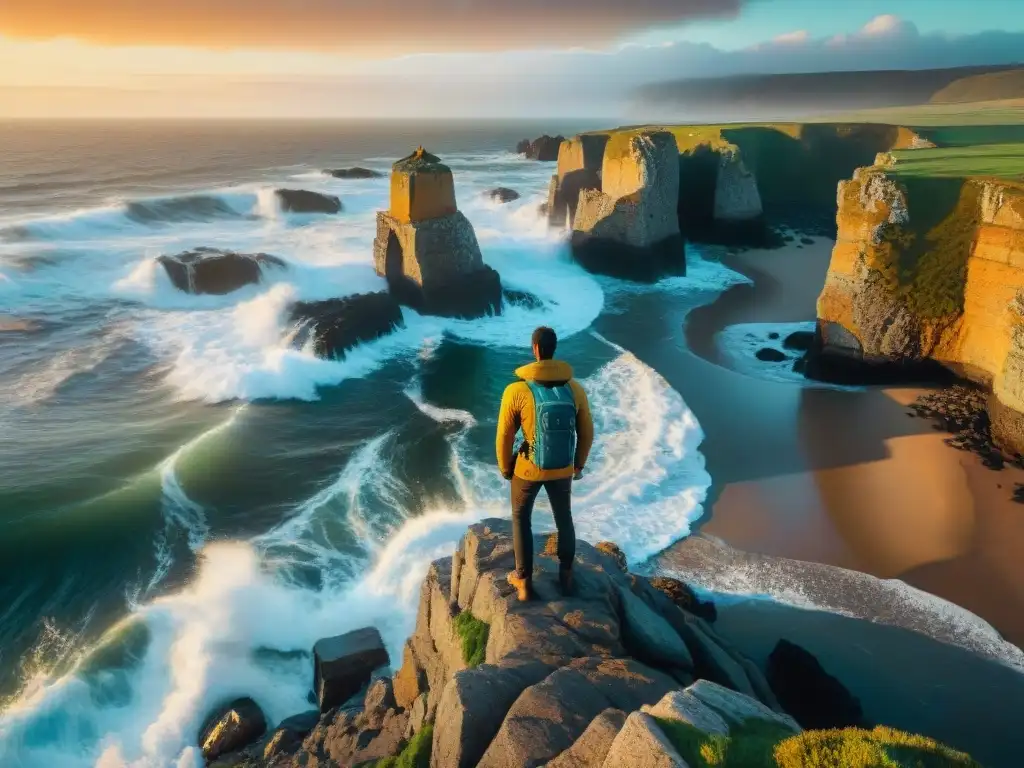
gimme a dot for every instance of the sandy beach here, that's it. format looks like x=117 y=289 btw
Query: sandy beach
x=851 y=479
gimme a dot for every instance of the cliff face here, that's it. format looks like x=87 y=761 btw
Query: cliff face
x=928 y=268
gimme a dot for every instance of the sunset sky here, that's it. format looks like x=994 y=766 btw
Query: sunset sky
x=448 y=58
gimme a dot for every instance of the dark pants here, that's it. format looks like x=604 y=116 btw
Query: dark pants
x=524 y=494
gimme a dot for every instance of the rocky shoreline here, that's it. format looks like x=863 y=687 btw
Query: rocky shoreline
x=623 y=672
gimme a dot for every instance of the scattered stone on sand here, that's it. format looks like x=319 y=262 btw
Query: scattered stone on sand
x=770 y=355
x=961 y=409
x=799 y=341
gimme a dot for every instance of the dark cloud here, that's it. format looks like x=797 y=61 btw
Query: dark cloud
x=384 y=26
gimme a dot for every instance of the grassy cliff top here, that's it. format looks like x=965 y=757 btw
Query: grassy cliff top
x=1002 y=161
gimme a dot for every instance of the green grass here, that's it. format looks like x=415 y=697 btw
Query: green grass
x=981 y=115
x=473 y=634
x=762 y=744
x=1004 y=161
x=416 y=753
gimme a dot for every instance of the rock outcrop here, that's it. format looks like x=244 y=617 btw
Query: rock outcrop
x=232 y=727
x=354 y=173
x=336 y=325
x=630 y=228
x=213 y=271
x=580 y=161
x=427 y=249
x=558 y=684
x=928 y=272
x=503 y=195
x=544 y=148
x=304 y=201
x=815 y=698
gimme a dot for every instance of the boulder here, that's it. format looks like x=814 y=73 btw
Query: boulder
x=684 y=707
x=522 y=299
x=503 y=194
x=592 y=747
x=770 y=355
x=630 y=228
x=348 y=740
x=683 y=596
x=342 y=665
x=213 y=271
x=230 y=728
x=354 y=173
x=550 y=716
x=289 y=734
x=649 y=637
x=801 y=341
x=544 y=148
x=305 y=201
x=735 y=707
x=427 y=249
x=813 y=697
x=336 y=325
x=642 y=744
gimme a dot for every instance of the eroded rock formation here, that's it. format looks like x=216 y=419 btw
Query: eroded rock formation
x=544 y=148
x=615 y=675
x=427 y=249
x=580 y=161
x=928 y=271
x=354 y=173
x=211 y=270
x=630 y=227
x=335 y=326
x=305 y=201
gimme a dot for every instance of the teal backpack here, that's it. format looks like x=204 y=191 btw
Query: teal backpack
x=554 y=444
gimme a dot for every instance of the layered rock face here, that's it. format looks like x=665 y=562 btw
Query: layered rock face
x=543 y=148
x=630 y=227
x=580 y=161
x=928 y=270
x=427 y=249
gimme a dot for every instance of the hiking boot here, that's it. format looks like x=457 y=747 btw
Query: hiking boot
x=523 y=585
x=565 y=581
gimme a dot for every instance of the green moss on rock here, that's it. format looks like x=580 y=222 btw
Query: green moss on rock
x=762 y=744
x=416 y=753
x=473 y=634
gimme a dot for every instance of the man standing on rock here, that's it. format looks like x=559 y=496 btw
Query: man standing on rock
x=551 y=409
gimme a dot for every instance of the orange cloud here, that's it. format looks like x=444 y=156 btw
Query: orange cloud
x=374 y=26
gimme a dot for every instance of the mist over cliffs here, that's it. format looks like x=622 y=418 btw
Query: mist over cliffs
x=780 y=96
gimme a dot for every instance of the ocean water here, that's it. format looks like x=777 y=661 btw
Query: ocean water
x=187 y=501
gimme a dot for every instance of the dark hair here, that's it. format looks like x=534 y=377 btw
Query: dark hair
x=545 y=340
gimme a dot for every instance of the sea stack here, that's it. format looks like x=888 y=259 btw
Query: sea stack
x=427 y=249
x=630 y=227
x=580 y=161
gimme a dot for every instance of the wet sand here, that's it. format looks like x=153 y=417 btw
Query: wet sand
x=851 y=479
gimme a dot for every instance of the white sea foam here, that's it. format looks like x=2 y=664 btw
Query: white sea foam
x=739 y=344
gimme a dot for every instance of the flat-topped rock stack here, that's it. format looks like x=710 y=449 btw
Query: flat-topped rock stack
x=427 y=249
x=630 y=226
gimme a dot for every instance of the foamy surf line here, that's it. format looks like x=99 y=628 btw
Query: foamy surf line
x=211 y=640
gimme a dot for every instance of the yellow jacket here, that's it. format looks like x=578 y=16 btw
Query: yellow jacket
x=517 y=413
